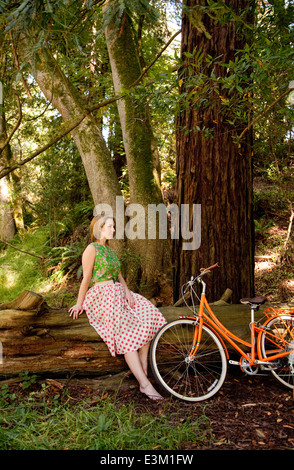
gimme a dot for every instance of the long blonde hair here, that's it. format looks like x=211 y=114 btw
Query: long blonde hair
x=96 y=225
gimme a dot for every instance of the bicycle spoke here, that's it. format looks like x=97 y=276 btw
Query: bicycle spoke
x=278 y=339
x=189 y=378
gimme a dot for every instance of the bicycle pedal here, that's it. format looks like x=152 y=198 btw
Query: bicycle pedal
x=234 y=363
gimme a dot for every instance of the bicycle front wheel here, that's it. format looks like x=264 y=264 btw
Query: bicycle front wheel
x=278 y=338
x=188 y=379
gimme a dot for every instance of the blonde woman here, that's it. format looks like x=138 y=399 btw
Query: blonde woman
x=125 y=321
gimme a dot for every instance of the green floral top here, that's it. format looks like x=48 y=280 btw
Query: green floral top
x=107 y=265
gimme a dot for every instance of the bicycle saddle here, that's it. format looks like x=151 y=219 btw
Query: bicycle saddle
x=254 y=301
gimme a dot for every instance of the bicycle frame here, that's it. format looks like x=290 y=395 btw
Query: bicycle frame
x=255 y=356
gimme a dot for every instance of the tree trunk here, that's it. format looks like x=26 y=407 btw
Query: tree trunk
x=214 y=171
x=7 y=226
x=141 y=150
x=139 y=142
x=16 y=202
x=15 y=189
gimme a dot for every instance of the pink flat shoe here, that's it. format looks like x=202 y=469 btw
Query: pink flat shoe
x=153 y=397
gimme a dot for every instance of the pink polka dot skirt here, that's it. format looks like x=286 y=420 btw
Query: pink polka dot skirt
x=122 y=329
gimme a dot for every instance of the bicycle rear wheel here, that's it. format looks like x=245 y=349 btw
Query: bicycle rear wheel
x=189 y=380
x=277 y=338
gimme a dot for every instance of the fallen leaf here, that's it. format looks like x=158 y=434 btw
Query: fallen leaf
x=54 y=383
x=260 y=434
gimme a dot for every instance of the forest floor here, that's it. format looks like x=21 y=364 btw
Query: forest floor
x=248 y=413
x=274 y=277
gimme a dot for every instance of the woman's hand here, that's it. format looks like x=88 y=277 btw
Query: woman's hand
x=130 y=298
x=75 y=311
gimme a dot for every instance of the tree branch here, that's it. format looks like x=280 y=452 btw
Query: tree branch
x=23 y=251
x=261 y=115
x=6 y=142
x=17 y=66
x=75 y=123
x=5 y=171
x=71 y=127
x=145 y=69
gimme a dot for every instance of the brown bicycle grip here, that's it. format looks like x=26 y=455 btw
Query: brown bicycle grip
x=214 y=266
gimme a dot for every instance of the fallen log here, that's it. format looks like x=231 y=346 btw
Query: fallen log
x=27 y=300
x=51 y=342
x=54 y=344
x=224 y=300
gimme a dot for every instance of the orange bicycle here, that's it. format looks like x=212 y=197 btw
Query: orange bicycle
x=189 y=357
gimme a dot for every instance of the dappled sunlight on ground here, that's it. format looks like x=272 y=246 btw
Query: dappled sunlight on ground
x=277 y=231
x=263 y=266
x=9 y=278
x=275 y=280
x=286 y=290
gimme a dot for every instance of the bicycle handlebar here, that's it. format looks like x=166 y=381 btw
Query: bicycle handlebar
x=199 y=277
x=206 y=270
x=202 y=273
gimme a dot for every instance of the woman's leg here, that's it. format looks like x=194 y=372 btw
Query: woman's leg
x=133 y=360
x=143 y=356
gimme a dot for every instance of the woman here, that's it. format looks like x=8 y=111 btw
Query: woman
x=125 y=321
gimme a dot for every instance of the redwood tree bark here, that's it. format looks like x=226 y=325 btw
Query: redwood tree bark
x=214 y=170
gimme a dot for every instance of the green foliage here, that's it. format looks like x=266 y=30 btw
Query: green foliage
x=61 y=197
x=41 y=422
x=133 y=8
x=20 y=271
x=37 y=14
x=269 y=201
x=259 y=73
x=27 y=379
x=262 y=226
x=65 y=260
x=64 y=255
